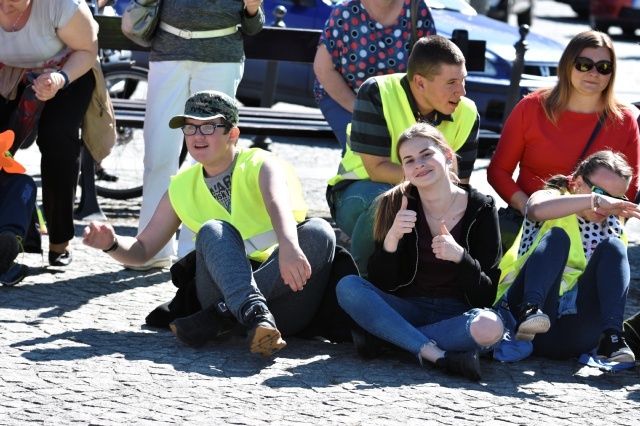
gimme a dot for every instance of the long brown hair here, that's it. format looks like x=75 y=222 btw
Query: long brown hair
x=613 y=161
x=390 y=202
x=555 y=100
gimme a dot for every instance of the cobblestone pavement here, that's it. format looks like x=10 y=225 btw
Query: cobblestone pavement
x=75 y=350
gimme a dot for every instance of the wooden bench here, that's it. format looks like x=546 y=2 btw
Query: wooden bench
x=272 y=44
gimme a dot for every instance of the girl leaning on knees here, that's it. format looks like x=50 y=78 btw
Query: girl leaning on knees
x=566 y=278
x=434 y=274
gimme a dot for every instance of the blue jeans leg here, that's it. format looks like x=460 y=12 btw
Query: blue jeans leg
x=223 y=272
x=355 y=215
x=386 y=316
x=602 y=294
x=337 y=117
x=17 y=203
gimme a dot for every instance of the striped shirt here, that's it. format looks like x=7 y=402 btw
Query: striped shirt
x=370 y=134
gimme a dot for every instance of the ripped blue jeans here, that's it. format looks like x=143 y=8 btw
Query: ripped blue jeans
x=409 y=322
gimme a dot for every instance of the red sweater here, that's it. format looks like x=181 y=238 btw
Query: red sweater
x=529 y=140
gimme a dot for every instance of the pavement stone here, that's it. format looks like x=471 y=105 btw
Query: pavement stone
x=75 y=350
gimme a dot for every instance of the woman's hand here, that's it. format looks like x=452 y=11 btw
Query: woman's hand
x=99 y=235
x=251 y=6
x=445 y=247
x=404 y=223
x=47 y=85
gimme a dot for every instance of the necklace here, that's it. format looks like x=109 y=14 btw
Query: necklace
x=445 y=213
x=19 y=18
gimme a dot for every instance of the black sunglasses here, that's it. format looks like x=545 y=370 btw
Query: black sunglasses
x=583 y=64
x=601 y=191
x=205 y=129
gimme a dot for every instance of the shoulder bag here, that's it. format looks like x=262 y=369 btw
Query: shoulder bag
x=140 y=21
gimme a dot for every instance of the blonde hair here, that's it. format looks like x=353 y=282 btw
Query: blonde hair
x=390 y=202
x=555 y=99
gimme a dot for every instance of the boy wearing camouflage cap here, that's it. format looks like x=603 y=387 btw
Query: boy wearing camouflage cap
x=246 y=209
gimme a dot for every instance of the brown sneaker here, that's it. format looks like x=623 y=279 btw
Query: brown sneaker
x=263 y=336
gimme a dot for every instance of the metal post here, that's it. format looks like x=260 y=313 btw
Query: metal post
x=513 y=95
x=271 y=80
x=88 y=209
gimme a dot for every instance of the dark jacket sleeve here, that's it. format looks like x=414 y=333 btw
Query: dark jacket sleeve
x=388 y=271
x=479 y=272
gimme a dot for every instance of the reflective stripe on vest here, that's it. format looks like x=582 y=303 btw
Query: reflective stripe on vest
x=261 y=242
x=194 y=204
x=399 y=117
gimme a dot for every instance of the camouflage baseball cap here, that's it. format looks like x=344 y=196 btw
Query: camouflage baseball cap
x=207 y=105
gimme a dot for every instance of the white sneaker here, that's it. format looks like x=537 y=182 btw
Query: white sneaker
x=162 y=262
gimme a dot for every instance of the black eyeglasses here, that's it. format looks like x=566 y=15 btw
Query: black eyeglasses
x=601 y=191
x=583 y=64
x=205 y=129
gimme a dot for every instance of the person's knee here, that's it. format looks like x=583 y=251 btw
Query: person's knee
x=487 y=328
x=212 y=231
x=612 y=247
x=347 y=290
x=558 y=237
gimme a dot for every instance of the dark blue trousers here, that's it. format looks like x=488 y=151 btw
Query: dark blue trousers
x=602 y=294
x=17 y=203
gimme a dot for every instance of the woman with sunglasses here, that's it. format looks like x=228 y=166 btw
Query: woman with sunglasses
x=548 y=130
x=565 y=279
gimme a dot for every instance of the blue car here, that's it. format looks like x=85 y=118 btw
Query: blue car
x=488 y=89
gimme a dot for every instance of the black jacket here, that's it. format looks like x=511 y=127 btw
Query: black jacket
x=478 y=272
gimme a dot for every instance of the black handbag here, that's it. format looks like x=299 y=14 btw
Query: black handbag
x=140 y=21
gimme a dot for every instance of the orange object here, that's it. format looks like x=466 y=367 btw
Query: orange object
x=7 y=162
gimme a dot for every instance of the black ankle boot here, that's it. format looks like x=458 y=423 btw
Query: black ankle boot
x=212 y=323
x=631 y=327
x=367 y=345
x=262 y=335
x=465 y=364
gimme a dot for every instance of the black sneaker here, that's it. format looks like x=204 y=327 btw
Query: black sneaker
x=14 y=275
x=531 y=322
x=613 y=347
x=367 y=345
x=465 y=364
x=262 y=335
x=9 y=250
x=204 y=326
x=102 y=174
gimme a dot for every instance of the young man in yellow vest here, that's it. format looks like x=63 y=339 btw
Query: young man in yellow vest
x=432 y=91
x=246 y=209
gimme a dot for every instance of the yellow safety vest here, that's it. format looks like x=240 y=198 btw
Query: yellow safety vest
x=194 y=204
x=511 y=264
x=399 y=117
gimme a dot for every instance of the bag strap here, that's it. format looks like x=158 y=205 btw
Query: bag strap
x=596 y=129
x=414 y=23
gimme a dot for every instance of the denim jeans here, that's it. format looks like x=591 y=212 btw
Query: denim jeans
x=601 y=294
x=355 y=215
x=408 y=322
x=224 y=273
x=337 y=117
x=17 y=203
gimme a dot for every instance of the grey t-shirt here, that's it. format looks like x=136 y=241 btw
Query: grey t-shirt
x=37 y=45
x=220 y=185
x=204 y=15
